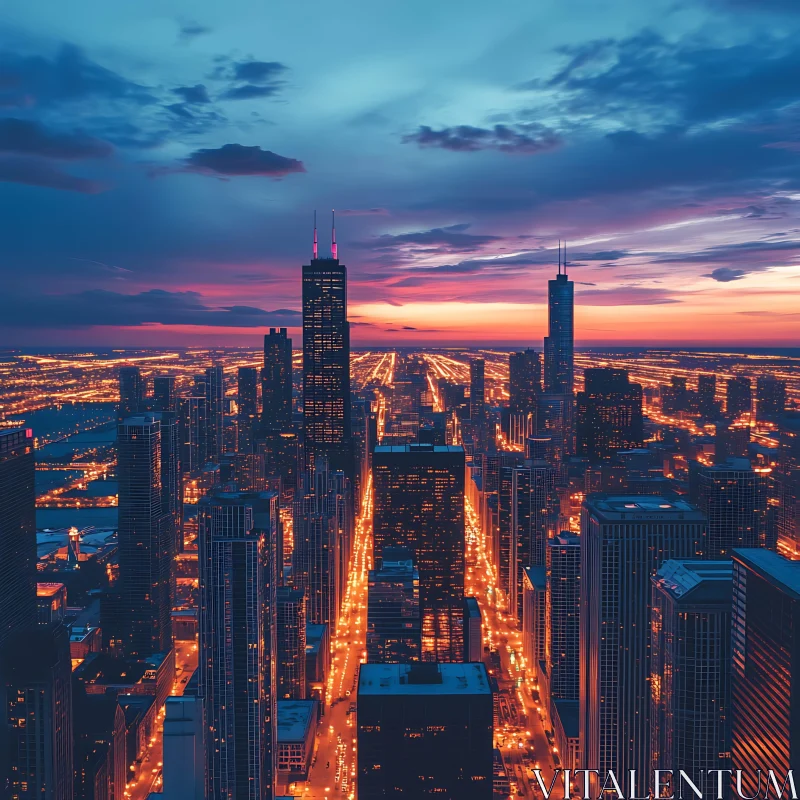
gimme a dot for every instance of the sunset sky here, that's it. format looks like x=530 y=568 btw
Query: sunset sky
x=160 y=163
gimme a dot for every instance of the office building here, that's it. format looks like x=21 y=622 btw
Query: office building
x=142 y=622
x=184 y=751
x=707 y=403
x=297 y=726
x=164 y=398
x=785 y=480
x=690 y=672
x=237 y=566
x=276 y=380
x=393 y=616
x=625 y=539
x=291 y=622
x=326 y=363
x=770 y=397
x=559 y=343
x=192 y=432
x=733 y=497
x=738 y=395
x=424 y=730
x=524 y=381
x=534 y=620
x=172 y=473
x=247 y=408
x=608 y=414
x=554 y=416
x=477 y=388
x=419 y=504
x=51 y=603
x=473 y=630
x=214 y=384
x=562 y=610
x=131 y=393
x=17 y=531
x=765 y=682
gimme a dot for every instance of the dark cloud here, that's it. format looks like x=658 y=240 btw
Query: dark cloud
x=26 y=137
x=249 y=91
x=103 y=308
x=626 y=296
x=249 y=79
x=35 y=172
x=522 y=139
x=726 y=274
x=258 y=71
x=194 y=95
x=237 y=159
x=364 y=212
x=450 y=239
x=191 y=30
x=27 y=80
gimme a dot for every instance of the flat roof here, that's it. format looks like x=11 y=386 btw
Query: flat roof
x=419 y=448
x=696 y=581
x=537 y=576
x=616 y=507
x=294 y=719
x=314 y=636
x=776 y=569
x=456 y=678
x=49 y=589
x=567 y=711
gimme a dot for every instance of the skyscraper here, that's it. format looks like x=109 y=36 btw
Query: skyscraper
x=215 y=412
x=738 y=395
x=477 y=388
x=624 y=541
x=393 y=620
x=419 y=504
x=608 y=414
x=192 y=432
x=146 y=537
x=524 y=380
x=131 y=393
x=237 y=642
x=563 y=596
x=559 y=343
x=164 y=398
x=770 y=397
x=171 y=472
x=707 y=403
x=247 y=402
x=17 y=531
x=326 y=362
x=786 y=486
x=291 y=627
x=690 y=673
x=733 y=498
x=765 y=686
x=276 y=380
x=424 y=729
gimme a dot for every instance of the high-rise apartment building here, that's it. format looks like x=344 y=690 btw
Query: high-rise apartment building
x=765 y=683
x=690 y=711
x=276 y=380
x=247 y=405
x=424 y=730
x=131 y=393
x=393 y=618
x=237 y=566
x=624 y=542
x=563 y=596
x=419 y=504
x=214 y=385
x=192 y=432
x=164 y=398
x=291 y=622
x=608 y=414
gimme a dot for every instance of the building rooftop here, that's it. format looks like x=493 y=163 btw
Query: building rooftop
x=617 y=507
x=314 y=636
x=567 y=711
x=536 y=576
x=696 y=581
x=294 y=719
x=423 y=678
x=49 y=589
x=772 y=567
x=565 y=539
x=473 y=609
x=419 y=448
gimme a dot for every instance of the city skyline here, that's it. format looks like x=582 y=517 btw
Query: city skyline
x=178 y=152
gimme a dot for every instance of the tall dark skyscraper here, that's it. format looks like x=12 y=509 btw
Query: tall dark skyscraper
x=326 y=362
x=690 y=699
x=215 y=412
x=770 y=397
x=785 y=486
x=247 y=401
x=559 y=344
x=291 y=627
x=608 y=414
x=17 y=531
x=738 y=395
x=477 y=388
x=237 y=642
x=424 y=730
x=131 y=392
x=419 y=504
x=171 y=472
x=146 y=536
x=624 y=541
x=164 y=398
x=192 y=428
x=765 y=685
x=707 y=403
x=563 y=596
x=276 y=380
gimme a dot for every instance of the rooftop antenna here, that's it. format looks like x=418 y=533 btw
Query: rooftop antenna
x=334 y=250
x=315 y=235
x=565 y=258
x=559 y=256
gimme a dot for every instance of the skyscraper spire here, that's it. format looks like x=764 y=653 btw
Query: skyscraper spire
x=565 y=258
x=559 y=256
x=334 y=251
x=315 y=234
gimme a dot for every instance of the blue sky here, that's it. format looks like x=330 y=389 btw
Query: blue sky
x=160 y=164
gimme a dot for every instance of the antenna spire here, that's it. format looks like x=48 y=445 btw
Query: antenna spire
x=334 y=249
x=559 y=256
x=315 y=234
x=565 y=258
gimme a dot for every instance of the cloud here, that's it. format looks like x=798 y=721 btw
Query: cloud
x=258 y=71
x=363 y=212
x=250 y=79
x=237 y=159
x=194 y=95
x=522 y=139
x=625 y=296
x=249 y=91
x=25 y=137
x=450 y=239
x=103 y=308
x=34 y=172
x=726 y=274
x=191 y=30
